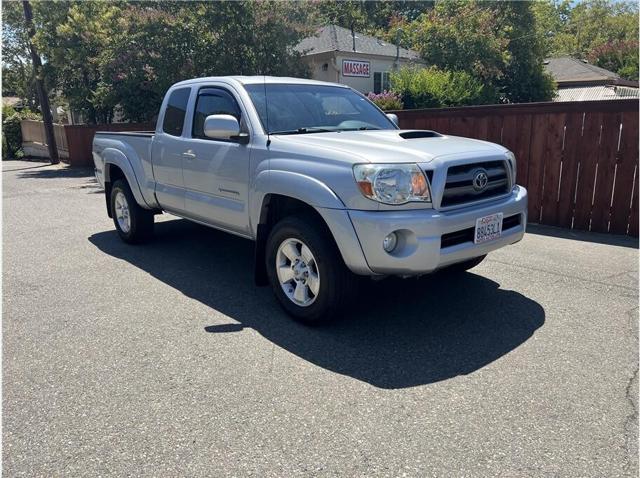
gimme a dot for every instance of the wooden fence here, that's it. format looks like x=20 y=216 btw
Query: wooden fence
x=578 y=160
x=73 y=141
x=34 y=143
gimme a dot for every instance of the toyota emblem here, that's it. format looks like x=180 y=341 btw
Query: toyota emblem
x=480 y=180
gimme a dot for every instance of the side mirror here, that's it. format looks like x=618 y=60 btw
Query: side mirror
x=393 y=117
x=221 y=127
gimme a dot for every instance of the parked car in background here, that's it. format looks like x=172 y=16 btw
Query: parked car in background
x=322 y=180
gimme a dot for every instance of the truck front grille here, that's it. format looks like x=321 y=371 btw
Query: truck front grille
x=459 y=188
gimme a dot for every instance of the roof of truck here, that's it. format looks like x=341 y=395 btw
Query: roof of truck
x=249 y=80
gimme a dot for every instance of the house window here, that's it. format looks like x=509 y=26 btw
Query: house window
x=380 y=81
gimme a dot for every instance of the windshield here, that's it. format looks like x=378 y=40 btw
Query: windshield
x=300 y=109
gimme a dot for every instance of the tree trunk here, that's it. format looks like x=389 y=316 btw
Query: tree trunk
x=42 y=93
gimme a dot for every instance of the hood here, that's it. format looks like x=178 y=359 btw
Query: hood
x=392 y=146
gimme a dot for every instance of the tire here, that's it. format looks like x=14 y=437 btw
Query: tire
x=464 y=266
x=327 y=298
x=133 y=223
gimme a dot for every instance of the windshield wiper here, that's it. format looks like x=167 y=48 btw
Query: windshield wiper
x=361 y=128
x=304 y=131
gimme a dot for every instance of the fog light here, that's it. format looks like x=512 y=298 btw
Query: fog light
x=389 y=243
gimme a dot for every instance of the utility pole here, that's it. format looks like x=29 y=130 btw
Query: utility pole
x=42 y=93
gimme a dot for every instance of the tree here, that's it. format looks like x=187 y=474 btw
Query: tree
x=40 y=88
x=523 y=76
x=495 y=42
x=17 y=71
x=604 y=32
x=106 y=55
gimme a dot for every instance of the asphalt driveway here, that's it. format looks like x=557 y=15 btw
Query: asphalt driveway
x=165 y=360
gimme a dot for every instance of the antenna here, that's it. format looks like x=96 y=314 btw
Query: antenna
x=266 y=107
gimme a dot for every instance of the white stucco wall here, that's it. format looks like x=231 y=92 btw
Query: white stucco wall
x=333 y=72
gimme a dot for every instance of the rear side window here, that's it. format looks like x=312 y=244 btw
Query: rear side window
x=176 y=111
x=213 y=101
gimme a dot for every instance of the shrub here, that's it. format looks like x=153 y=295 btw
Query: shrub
x=11 y=131
x=435 y=88
x=387 y=100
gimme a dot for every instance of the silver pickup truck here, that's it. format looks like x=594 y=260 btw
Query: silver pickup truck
x=320 y=178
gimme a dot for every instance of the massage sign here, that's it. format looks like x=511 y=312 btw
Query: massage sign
x=355 y=68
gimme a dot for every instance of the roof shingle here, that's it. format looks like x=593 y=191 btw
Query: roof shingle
x=335 y=38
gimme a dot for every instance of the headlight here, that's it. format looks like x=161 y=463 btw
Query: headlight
x=512 y=161
x=392 y=183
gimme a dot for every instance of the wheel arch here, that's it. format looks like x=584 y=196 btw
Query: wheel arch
x=117 y=166
x=277 y=206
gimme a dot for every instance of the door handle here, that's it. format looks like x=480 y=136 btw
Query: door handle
x=189 y=154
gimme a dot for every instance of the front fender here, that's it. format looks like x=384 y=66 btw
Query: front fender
x=295 y=185
x=319 y=196
x=119 y=159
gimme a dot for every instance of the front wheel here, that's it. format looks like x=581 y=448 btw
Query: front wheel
x=133 y=223
x=306 y=271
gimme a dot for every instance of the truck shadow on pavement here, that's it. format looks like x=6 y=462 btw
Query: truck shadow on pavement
x=401 y=333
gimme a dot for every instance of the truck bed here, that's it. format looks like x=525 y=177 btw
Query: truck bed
x=127 y=133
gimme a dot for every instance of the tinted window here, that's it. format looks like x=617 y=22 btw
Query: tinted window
x=213 y=101
x=303 y=108
x=176 y=111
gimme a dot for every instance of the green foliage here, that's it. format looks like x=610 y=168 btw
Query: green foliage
x=604 y=32
x=104 y=55
x=11 y=131
x=17 y=72
x=101 y=54
x=494 y=42
x=619 y=56
x=435 y=88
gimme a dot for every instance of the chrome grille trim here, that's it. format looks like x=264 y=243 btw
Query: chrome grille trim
x=459 y=190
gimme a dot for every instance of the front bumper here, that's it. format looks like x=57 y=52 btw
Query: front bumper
x=420 y=250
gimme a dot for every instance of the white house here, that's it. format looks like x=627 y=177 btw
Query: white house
x=363 y=62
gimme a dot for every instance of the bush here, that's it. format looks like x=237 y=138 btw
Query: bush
x=387 y=100
x=11 y=131
x=435 y=88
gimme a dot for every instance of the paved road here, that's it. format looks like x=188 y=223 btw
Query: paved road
x=166 y=360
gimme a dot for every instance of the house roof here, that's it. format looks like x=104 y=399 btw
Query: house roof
x=334 y=38
x=597 y=92
x=567 y=70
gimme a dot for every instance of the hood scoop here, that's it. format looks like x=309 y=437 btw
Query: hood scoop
x=420 y=134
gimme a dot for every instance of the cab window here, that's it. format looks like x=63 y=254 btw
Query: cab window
x=213 y=101
x=176 y=112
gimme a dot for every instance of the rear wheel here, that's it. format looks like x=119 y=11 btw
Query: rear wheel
x=306 y=271
x=133 y=223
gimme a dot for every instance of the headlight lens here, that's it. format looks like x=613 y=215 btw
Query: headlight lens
x=392 y=183
x=512 y=160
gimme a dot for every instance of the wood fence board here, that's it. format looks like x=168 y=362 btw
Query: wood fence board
x=552 y=160
x=494 y=129
x=481 y=128
x=633 y=219
x=607 y=156
x=459 y=126
x=536 y=165
x=443 y=125
x=521 y=138
x=573 y=136
x=588 y=156
x=627 y=164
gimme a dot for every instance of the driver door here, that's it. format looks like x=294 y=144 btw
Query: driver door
x=216 y=171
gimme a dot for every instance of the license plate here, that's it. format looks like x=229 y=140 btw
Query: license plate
x=488 y=228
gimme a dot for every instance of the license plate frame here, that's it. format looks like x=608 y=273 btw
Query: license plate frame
x=488 y=228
